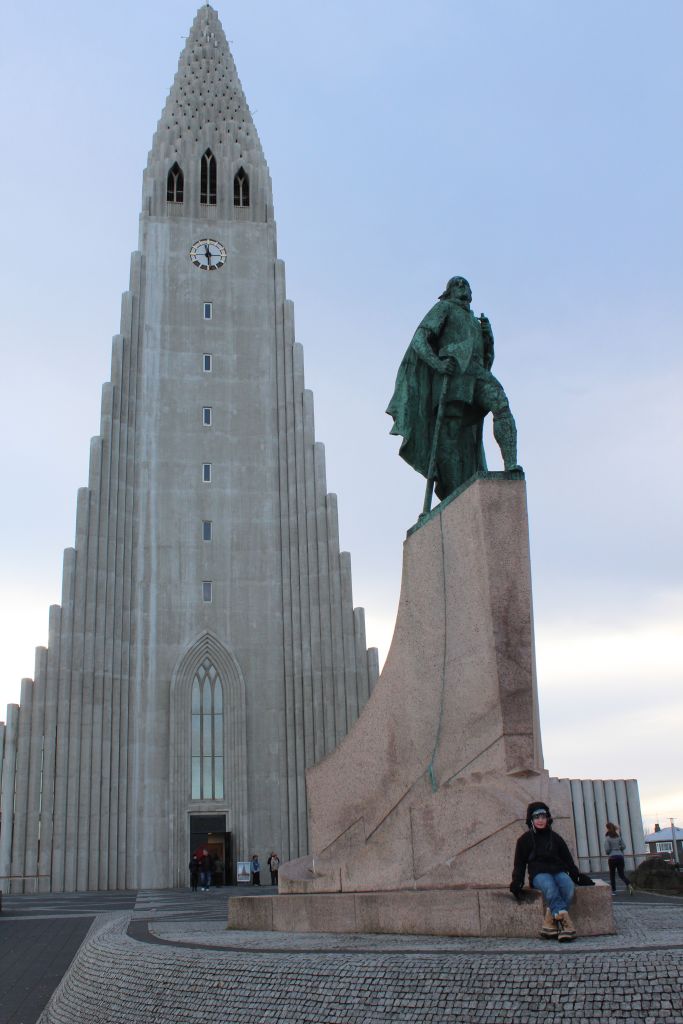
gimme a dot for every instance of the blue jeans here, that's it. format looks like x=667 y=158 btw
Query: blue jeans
x=558 y=890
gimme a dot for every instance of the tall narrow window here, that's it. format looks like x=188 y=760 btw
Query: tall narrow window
x=174 y=185
x=207 y=363
x=207 y=529
x=206 y=415
x=207 y=591
x=241 y=188
x=208 y=179
x=207 y=733
x=208 y=310
x=206 y=472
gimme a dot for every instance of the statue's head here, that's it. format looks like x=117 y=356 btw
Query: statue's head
x=458 y=290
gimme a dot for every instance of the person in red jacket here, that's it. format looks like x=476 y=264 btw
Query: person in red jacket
x=545 y=855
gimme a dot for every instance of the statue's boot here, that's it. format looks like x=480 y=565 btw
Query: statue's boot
x=505 y=433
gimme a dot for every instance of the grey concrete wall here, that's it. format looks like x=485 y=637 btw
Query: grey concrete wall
x=596 y=801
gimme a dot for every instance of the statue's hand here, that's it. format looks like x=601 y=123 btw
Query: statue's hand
x=448 y=366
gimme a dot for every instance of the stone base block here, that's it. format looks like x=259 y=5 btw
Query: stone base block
x=475 y=912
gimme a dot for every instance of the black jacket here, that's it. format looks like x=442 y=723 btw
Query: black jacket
x=541 y=852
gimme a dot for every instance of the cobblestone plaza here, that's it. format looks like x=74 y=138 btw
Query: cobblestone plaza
x=164 y=962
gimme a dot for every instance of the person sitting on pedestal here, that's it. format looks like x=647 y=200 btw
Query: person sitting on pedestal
x=551 y=870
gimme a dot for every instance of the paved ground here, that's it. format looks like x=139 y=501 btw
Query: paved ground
x=39 y=937
x=166 y=957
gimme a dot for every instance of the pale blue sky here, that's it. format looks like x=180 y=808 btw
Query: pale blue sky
x=533 y=147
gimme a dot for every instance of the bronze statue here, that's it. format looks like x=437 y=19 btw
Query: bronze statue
x=444 y=389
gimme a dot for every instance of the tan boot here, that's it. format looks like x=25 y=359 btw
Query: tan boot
x=549 y=927
x=565 y=928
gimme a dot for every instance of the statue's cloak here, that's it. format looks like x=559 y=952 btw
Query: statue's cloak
x=411 y=409
x=413 y=405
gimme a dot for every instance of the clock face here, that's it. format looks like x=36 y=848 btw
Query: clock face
x=208 y=254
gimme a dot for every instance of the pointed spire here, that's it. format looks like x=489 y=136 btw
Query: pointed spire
x=206 y=101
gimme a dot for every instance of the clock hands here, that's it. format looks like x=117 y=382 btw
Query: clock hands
x=207 y=254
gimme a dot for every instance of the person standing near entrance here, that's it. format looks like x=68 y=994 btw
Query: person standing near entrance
x=194 y=873
x=614 y=848
x=274 y=866
x=205 y=869
x=255 y=870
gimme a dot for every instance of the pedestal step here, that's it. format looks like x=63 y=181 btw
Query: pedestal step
x=475 y=912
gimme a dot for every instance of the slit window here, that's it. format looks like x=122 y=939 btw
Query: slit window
x=207 y=363
x=208 y=310
x=207 y=529
x=206 y=472
x=207 y=591
x=207 y=192
x=206 y=415
x=174 y=185
x=241 y=188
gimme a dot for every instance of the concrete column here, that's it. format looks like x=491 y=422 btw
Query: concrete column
x=117 y=800
x=601 y=816
x=89 y=709
x=77 y=693
x=7 y=795
x=288 y=785
x=130 y=329
x=361 y=657
x=2 y=751
x=21 y=783
x=47 y=805
x=324 y=591
x=35 y=767
x=116 y=362
x=611 y=801
x=302 y=543
x=350 y=673
x=104 y=654
x=63 y=721
x=99 y=790
x=294 y=738
x=582 y=850
x=313 y=579
x=340 y=712
x=591 y=824
x=624 y=818
x=373 y=667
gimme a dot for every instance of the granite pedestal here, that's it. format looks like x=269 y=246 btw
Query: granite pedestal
x=414 y=817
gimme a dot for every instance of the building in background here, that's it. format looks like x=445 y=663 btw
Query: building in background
x=660 y=843
x=206 y=650
x=594 y=803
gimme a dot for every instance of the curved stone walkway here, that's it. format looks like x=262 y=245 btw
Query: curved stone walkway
x=195 y=971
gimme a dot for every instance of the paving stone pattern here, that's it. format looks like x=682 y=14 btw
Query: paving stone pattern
x=115 y=978
x=33 y=958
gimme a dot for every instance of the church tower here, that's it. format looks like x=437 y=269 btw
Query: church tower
x=206 y=650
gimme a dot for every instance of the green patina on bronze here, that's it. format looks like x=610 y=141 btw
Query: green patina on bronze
x=444 y=389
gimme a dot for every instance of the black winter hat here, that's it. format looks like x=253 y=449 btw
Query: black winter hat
x=537 y=805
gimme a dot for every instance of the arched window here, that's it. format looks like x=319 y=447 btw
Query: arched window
x=241 y=188
x=207 y=733
x=174 y=185
x=208 y=179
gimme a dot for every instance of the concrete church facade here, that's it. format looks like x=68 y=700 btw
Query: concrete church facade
x=206 y=650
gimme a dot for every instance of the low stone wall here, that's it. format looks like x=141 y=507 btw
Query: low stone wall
x=473 y=912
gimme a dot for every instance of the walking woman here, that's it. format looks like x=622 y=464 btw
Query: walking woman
x=614 y=848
